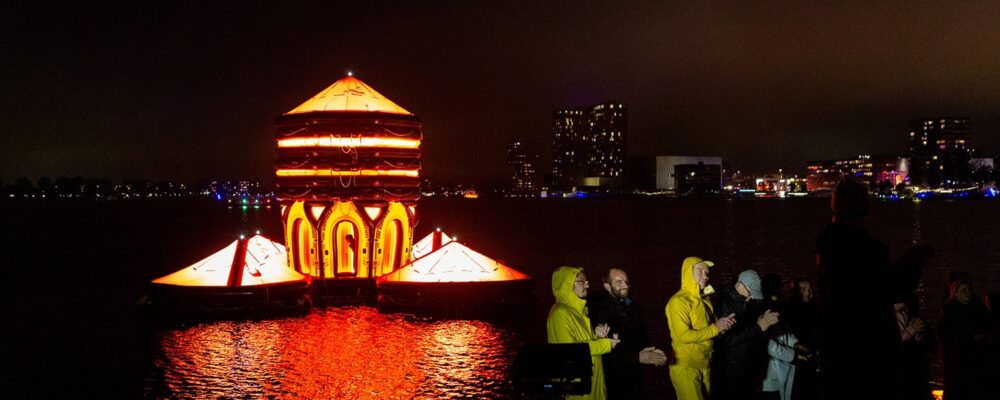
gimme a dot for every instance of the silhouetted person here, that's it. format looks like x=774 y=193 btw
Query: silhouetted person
x=774 y=299
x=739 y=362
x=614 y=307
x=964 y=333
x=802 y=315
x=860 y=348
x=993 y=305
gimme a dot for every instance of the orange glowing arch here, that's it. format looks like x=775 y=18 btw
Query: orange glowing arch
x=300 y=235
x=393 y=240
x=345 y=242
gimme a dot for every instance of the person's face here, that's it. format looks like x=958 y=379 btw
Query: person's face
x=743 y=291
x=580 y=285
x=618 y=284
x=701 y=275
x=963 y=294
x=806 y=291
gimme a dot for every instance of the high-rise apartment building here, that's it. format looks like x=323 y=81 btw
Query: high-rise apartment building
x=569 y=139
x=589 y=146
x=940 y=152
x=524 y=180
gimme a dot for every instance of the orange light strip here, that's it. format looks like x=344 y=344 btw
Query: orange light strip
x=349 y=142
x=364 y=172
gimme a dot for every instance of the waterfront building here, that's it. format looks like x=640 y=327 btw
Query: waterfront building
x=680 y=175
x=879 y=172
x=589 y=146
x=348 y=181
x=607 y=150
x=524 y=180
x=569 y=147
x=940 y=152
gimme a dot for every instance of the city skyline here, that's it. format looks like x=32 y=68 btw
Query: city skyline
x=185 y=92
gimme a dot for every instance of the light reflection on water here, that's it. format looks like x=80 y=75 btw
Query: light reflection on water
x=344 y=353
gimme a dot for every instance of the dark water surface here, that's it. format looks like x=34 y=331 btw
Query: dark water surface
x=72 y=272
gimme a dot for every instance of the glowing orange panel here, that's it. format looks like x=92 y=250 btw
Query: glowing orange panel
x=349 y=142
x=264 y=262
x=425 y=245
x=364 y=172
x=349 y=94
x=210 y=271
x=454 y=263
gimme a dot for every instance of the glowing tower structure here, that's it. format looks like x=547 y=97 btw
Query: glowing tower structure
x=348 y=180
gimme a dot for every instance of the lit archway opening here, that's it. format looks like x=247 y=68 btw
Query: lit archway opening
x=302 y=248
x=345 y=249
x=392 y=251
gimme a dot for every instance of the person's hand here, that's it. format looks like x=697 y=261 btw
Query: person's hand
x=767 y=320
x=918 y=325
x=602 y=330
x=652 y=356
x=614 y=340
x=801 y=348
x=725 y=323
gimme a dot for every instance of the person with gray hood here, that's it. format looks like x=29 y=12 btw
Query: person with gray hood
x=739 y=362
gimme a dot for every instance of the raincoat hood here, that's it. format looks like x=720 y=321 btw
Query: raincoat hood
x=688 y=284
x=562 y=288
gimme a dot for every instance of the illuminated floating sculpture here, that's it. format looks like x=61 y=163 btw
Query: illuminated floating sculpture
x=248 y=274
x=451 y=274
x=348 y=181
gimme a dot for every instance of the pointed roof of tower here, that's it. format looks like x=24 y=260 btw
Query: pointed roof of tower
x=349 y=94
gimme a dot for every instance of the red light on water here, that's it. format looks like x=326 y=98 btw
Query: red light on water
x=343 y=353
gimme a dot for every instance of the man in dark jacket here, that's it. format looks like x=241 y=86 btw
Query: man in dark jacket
x=622 y=366
x=739 y=361
x=860 y=348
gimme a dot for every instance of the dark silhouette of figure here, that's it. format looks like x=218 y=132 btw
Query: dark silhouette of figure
x=860 y=348
x=964 y=334
x=774 y=299
x=802 y=315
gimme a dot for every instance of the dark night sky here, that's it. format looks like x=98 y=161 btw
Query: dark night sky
x=163 y=90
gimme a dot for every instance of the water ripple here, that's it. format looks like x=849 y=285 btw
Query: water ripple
x=353 y=353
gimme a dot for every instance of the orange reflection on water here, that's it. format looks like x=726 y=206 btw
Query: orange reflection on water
x=354 y=353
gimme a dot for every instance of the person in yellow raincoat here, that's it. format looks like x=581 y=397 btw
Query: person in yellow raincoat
x=568 y=323
x=692 y=325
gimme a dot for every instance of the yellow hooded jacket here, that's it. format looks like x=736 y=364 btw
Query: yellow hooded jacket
x=568 y=323
x=691 y=320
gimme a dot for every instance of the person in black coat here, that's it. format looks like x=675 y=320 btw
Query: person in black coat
x=739 y=358
x=802 y=314
x=623 y=365
x=964 y=333
x=860 y=348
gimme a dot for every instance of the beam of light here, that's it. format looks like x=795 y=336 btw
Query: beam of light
x=355 y=142
x=364 y=172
